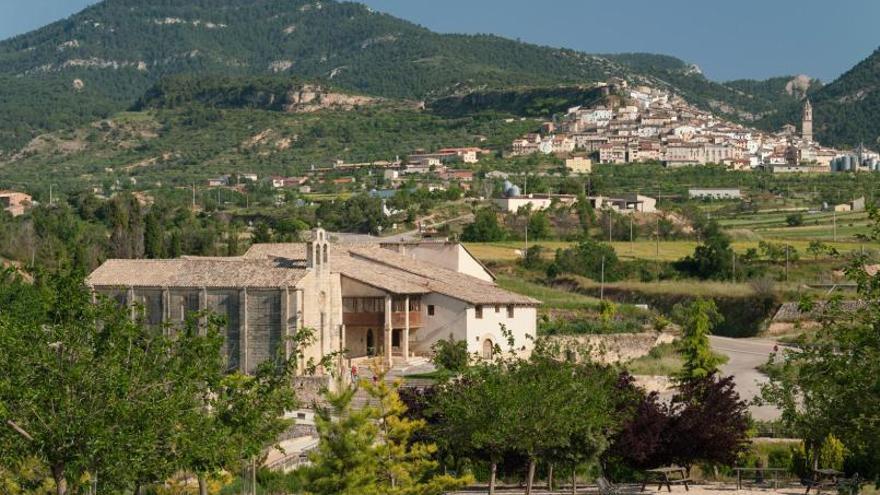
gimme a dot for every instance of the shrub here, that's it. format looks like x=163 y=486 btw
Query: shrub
x=590 y=259
x=450 y=354
x=832 y=453
x=801 y=463
x=532 y=259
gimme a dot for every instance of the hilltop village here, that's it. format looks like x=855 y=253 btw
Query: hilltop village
x=649 y=125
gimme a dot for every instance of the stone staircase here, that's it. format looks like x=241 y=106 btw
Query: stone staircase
x=399 y=369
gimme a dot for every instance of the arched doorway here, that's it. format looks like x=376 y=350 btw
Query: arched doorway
x=371 y=343
x=488 y=349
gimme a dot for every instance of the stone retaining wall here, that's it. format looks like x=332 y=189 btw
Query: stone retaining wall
x=612 y=348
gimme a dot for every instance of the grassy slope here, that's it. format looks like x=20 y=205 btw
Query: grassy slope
x=191 y=145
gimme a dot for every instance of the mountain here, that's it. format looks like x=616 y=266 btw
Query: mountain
x=103 y=59
x=845 y=112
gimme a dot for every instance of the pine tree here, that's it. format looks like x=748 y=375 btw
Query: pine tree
x=404 y=467
x=370 y=451
x=343 y=464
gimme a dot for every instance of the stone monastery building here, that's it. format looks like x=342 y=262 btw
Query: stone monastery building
x=390 y=300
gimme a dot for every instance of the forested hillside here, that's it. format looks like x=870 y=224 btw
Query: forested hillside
x=846 y=111
x=104 y=58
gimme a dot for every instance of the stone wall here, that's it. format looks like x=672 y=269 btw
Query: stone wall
x=309 y=388
x=612 y=348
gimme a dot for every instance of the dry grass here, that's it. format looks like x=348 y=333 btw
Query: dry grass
x=683 y=287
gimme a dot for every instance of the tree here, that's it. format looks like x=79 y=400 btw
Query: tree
x=795 y=219
x=166 y=400
x=828 y=385
x=590 y=259
x=491 y=411
x=451 y=354
x=403 y=467
x=343 y=463
x=639 y=444
x=243 y=414
x=713 y=259
x=705 y=422
x=539 y=226
x=97 y=392
x=709 y=423
x=697 y=320
x=473 y=417
x=586 y=213
x=485 y=228
x=371 y=450
x=154 y=235
x=532 y=259
x=261 y=234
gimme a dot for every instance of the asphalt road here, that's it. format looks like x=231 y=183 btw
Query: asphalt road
x=745 y=355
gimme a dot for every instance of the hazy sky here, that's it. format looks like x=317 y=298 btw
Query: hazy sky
x=729 y=39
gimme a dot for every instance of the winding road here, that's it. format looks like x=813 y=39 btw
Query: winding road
x=745 y=356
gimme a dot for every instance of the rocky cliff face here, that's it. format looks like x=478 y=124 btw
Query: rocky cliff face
x=312 y=98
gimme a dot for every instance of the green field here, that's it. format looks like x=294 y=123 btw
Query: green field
x=647 y=250
x=549 y=296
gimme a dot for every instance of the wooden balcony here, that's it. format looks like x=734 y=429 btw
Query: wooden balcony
x=374 y=320
x=377 y=320
x=398 y=319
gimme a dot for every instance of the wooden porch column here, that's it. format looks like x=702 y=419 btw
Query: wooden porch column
x=388 y=330
x=404 y=339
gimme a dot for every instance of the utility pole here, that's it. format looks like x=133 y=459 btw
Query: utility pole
x=602 y=281
x=658 y=225
x=835 y=225
x=194 y=196
x=609 y=226
x=631 y=245
x=51 y=200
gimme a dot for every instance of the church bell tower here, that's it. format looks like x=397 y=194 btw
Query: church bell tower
x=807 y=123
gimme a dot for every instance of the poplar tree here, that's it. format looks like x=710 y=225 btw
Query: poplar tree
x=697 y=319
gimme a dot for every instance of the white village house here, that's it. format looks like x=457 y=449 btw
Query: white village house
x=389 y=300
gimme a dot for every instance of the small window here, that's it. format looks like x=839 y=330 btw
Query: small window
x=430 y=310
x=497 y=308
x=510 y=311
x=479 y=312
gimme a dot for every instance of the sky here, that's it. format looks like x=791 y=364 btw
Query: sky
x=727 y=39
